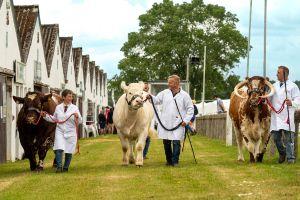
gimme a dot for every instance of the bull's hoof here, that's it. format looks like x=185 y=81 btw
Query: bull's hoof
x=131 y=161
x=252 y=159
x=260 y=157
x=139 y=166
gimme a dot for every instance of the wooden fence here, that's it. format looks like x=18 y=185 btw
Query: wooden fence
x=219 y=126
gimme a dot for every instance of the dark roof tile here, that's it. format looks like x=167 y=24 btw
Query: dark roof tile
x=26 y=19
x=77 y=56
x=92 y=69
x=65 y=50
x=85 y=66
x=50 y=33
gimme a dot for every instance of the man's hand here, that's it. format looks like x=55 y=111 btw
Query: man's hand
x=76 y=115
x=43 y=113
x=288 y=102
x=183 y=124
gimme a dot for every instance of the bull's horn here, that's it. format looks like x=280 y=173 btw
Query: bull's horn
x=271 y=93
x=238 y=86
x=124 y=86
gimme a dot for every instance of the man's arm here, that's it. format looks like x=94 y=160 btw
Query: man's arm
x=158 y=99
x=188 y=104
x=295 y=97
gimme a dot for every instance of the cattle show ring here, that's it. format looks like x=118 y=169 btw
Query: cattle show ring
x=197 y=106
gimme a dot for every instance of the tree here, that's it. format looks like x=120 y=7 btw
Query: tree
x=169 y=33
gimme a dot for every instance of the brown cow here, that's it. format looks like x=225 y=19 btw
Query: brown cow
x=35 y=139
x=251 y=116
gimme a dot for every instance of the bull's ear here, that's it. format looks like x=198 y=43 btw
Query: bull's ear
x=246 y=78
x=267 y=79
x=18 y=100
x=124 y=86
x=45 y=98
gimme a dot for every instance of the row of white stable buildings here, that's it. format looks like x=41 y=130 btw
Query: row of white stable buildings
x=33 y=57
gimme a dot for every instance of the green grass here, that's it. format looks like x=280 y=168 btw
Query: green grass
x=97 y=174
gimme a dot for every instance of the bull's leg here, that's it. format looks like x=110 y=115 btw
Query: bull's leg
x=265 y=140
x=131 y=154
x=32 y=159
x=252 y=159
x=125 y=148
x=239 y=140
x=42 y=152
x=139 y=150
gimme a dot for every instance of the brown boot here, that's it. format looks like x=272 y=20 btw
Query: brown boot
x=281 y=158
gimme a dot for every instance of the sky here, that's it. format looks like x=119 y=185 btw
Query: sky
x=101 y=27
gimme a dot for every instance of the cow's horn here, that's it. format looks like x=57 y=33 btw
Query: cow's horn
x=271 y=93
x=238 y=86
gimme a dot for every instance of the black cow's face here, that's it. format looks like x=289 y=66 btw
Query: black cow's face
x=32 y=105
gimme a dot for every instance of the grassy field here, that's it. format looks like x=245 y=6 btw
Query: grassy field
x=97 y=174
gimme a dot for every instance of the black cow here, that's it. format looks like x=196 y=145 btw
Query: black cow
x=35 y=139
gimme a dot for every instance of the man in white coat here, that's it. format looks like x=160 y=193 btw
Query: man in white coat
x=65 y=134
x=279 y=122
x=171 y=116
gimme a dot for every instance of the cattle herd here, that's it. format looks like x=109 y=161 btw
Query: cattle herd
x=133 y=115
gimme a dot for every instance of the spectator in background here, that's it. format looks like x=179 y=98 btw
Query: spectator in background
x=220 y=105
x=110 y=123
x=101 y=122
x=192 y=124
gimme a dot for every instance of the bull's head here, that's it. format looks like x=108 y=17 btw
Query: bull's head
x=32 y=105
x=134 y=94
x=257 y=88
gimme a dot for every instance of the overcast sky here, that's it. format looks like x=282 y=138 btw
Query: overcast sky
x=101 y=28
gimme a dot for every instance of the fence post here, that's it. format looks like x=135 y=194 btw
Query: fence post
x=228 y=130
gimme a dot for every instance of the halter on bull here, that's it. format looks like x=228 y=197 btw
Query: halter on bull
x=251 y=116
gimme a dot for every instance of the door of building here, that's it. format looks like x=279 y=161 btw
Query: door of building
x=2 y=119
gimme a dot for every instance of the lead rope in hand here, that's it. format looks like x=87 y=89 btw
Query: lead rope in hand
x=61 y=122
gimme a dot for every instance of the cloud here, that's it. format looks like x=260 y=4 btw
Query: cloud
x=101 y=27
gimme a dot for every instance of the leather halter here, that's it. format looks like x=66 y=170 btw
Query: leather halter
x=132 y=99
x=34 y=109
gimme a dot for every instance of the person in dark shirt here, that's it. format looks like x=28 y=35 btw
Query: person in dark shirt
x=101 y=122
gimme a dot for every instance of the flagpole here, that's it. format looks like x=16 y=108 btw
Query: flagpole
x=249 y=37
x=265 y=40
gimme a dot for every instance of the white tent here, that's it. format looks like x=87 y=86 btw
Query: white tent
x=210 y=108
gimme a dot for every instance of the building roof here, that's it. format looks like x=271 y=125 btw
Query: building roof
x=77 y=56
x=92 y=69
x=26 y=19
x=65 y=50
x=85 y=65
x=97 y=76
x=1 y=3
x=49 y=35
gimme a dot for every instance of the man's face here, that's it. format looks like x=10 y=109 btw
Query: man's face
x=146 y=87
x=68 y=99
x=173 y=84
x=280 y=75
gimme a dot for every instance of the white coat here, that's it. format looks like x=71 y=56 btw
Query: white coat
x=279 y=121
x=65 y=134
x=169 y=113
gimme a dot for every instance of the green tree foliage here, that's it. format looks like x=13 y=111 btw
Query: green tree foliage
x=169 y=33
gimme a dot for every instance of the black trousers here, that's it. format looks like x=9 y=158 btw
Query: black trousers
x=172 y=155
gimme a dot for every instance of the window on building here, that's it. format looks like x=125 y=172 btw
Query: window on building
x=38 y=37
x=37 y=71
x=57 y=51
x=57 y=64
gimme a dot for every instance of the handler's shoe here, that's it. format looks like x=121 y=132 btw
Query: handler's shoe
x=281 y=158
x=65 y=170
x=291 y=161
x=59 y=170
x=169 y=164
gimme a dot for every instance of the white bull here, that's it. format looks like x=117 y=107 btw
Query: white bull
x=132 y=118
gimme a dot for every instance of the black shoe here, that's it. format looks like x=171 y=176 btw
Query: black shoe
x=281 y=159
x=59 y=170
x=175 y=165
x=65 y=170
x=169 y=164
x=291 y=161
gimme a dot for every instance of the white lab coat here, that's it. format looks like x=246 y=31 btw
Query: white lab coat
x=169 y=113
x=65 y=134
x=279 y=121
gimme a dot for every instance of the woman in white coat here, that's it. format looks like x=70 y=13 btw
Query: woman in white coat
x=65 y=133
x=171 y=117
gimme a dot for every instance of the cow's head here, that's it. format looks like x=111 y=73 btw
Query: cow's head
x=32 y=105
x=134 y=94
x=257 y=88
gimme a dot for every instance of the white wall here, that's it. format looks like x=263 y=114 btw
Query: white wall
x=9 y=53
x=36 y=53
x=71 y=85
x=56 y=78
